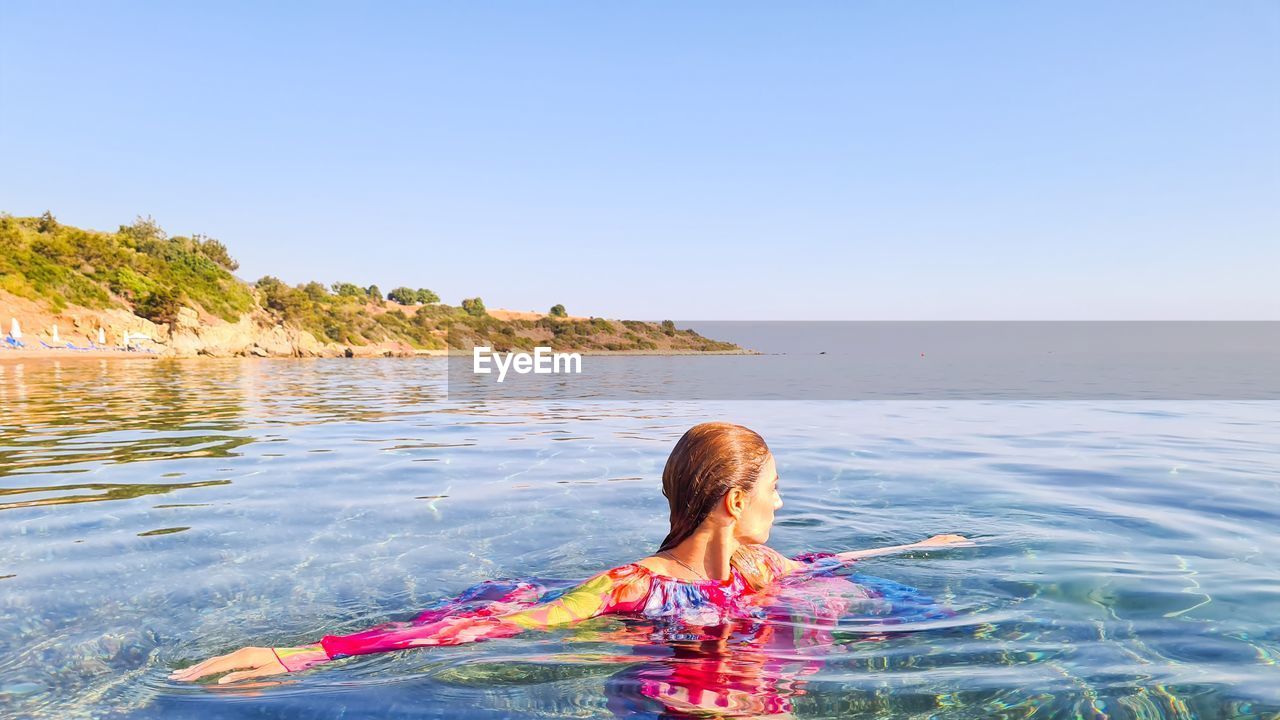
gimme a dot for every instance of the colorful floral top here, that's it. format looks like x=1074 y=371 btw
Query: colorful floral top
x=498 y=609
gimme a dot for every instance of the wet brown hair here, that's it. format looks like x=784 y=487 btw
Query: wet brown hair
x=708 y=461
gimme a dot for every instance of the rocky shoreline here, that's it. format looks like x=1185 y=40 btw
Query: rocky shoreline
x=119 y=333
x=190 y=335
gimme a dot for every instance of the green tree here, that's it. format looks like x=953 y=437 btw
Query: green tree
x=144 y=230
x=315 y=291
x=269 y=282
x=474 y=306
x=278 y=296
x=403 y=295
x=558 y=310
x=216 y=251
x=373 y=293
x=48 y=223
x=426 y=297
x=160 y=306
x=346 y=289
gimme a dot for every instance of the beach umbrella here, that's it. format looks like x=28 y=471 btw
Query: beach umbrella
x=55 y=333
x=14 y=330
x=102 y=336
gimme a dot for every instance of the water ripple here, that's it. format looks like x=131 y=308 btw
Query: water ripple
x=1127 y=564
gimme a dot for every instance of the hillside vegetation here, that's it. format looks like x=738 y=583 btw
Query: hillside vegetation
x=142 y=269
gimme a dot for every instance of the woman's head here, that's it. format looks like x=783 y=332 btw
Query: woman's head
x=723 y=473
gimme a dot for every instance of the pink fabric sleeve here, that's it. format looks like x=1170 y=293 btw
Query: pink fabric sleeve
x=622 y=589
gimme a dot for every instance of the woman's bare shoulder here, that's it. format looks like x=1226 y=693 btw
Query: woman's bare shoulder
x=654 y=563
x=665 y=567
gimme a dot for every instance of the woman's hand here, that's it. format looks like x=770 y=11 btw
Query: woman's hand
x=944 y=540
x=251 y=662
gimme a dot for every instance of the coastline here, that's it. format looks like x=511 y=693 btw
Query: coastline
x=658 y=353
x=17 y=355
x=256 y=333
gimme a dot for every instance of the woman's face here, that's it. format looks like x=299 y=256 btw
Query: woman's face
x=756 y=518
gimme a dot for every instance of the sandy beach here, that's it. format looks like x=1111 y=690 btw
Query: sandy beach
x=20 y=354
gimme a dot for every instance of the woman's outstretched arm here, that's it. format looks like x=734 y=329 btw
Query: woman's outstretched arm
x=619 y=590
x=762 y=565
x=933 y=542
x=248 y=662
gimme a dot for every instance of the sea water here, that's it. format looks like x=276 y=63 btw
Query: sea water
x=153 y=514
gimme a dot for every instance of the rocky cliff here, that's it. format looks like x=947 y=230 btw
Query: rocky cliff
x=190 y=335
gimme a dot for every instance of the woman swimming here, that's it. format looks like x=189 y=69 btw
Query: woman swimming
x=712 y=570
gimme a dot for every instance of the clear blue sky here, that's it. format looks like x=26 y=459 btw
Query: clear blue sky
x=839 y=160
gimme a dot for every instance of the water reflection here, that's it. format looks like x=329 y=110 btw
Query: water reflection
x=1129 y=566
x=109 y=492
x=61 y=413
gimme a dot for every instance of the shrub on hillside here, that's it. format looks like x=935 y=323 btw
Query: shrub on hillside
x=346 y=289
x=216 y=251
x=403 y=295
x=160 y=306
x=409 y=296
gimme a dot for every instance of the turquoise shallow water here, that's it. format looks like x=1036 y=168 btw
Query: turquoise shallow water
x=153 y=514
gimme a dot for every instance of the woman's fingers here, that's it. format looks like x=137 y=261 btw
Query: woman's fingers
x=218 y=664
x=249 y=658
x=197 y=667
x=246 y=674
x=215 y=664
x=182 y=673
